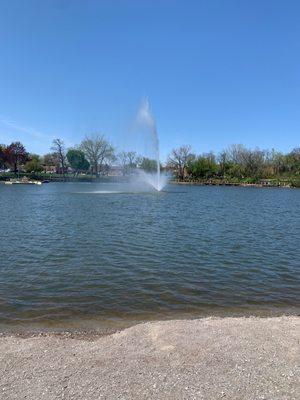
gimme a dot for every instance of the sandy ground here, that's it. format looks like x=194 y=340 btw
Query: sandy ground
x=211 y=358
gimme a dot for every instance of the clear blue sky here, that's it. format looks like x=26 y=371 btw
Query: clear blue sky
x=216 y=72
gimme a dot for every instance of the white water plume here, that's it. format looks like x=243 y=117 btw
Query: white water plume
x=157 y=180
x=146 y=122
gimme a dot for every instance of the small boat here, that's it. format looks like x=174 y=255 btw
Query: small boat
x=23 y=181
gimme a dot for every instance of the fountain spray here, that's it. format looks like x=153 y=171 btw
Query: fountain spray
x=146 y=119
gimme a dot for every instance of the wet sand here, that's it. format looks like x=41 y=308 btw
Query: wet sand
x=211 y=358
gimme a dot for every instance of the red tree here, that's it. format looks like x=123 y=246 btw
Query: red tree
x=16 y=155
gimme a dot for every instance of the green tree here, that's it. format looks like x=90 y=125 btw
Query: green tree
x=293 y=161
x=34 y=164
x=203 y=166
x=77 y=160
x=3 y=158
x=147 y=164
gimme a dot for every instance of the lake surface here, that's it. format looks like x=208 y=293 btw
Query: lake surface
x=92 y=256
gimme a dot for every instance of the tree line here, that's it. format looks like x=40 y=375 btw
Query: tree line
x=236 y=162
x=96 y=155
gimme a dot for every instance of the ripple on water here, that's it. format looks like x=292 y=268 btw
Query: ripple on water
x=70 y=258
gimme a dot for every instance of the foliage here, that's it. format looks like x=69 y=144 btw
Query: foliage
x=15 y=155
x=147 y=164
x=77 y=160
x=203 y=167
x=296 y=183
x=236 y=163
x=2 y=156
x=34 y=164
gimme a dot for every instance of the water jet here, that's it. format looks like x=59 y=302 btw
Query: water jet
x=146 y=122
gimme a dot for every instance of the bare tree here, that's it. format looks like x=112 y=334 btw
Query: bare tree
x=128 y=160
x=58 y=147
x=223 y=162
x=247 y=162
x=237 y=154
x=51 y=160
x=255 y=162
x=179 y=159
x=98 y=151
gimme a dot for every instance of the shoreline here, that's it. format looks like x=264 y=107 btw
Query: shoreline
x=97 y=334
x=288 y=182
x=211 y=358
x=234 y=184
x=103 y=327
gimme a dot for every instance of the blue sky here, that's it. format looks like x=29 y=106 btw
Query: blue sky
x=215 y=72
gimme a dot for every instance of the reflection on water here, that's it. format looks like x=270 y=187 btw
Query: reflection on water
x=72 y=258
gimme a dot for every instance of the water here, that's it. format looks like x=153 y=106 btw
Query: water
x=146 y=123
x=157 y=180
x=90 y=256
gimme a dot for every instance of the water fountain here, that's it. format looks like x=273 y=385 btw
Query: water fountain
x=146 y=121
x=144 y=141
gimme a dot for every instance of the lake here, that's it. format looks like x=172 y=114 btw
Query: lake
x=97 y=256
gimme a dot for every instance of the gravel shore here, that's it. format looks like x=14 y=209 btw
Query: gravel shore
x=212 y=358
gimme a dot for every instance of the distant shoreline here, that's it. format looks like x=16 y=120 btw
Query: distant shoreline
x=263 y=183
x=242 y=184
